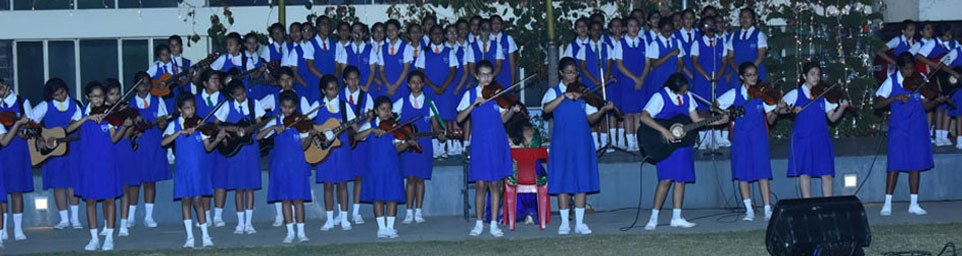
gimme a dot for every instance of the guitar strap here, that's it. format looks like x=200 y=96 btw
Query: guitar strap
x=250 y=109
x=343 y=109
x=360 y=102
x=243 y=60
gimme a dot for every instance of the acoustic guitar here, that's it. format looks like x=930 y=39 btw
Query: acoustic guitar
x=319 y=150
x=653 y=144
x=40 y=150
x=161 y=86
x=233 y=142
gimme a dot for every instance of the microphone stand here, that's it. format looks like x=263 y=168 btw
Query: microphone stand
x=714 y=98
x=609 y=145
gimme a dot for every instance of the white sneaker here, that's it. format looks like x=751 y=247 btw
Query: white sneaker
x=208 y=242
x=62 y=225
x=886 y=210
x=19 y=236
x=418 y=218
x=278 y=221
x=917 y=210
x=392 y=233
x=131 y=223
x=652 y=224
x=383 y=233
x=408 y=219
x=189 y=243
x=122 y=232
x=302 y=238
x=358 y=219
x=564 y=230
x=768 y=214
x=92 y=245
x=108 y=245
x=346 y=225
x=495 y=231
x=150 y=223
x=582 y=229
x=681 y=223
x=3 y=235
x=289 y=238
x=103 y=232
x=724 y=142
x=476 y=231
x=528 y=220
x=239 y=229
x=249 y=229
x=749 y=215
x=958 y=142
x=75 y=225
x=328 y=225
x=218 y=222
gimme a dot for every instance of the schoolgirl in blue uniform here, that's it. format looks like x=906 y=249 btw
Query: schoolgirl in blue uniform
x=377 y=87
x=60 y=172
x=688 y=35
x=810 y=151
x=594 y=56
x=728 y=77
x=457 y=40
x=252 y=59
x=206 y=100
x=427 y=24
x=439 y=65
x=485 y=49
x=394 y=61
x=416 y=166
x=581 y=38
x=99 y=172
x=665 y=56
x=360 y=102
x=345 y=36
x=749 y=43
x=337 y=168
x=324 y=49
x=750 y=159
x=954 y=59
x=490 y=154
x=245 y=166
x=652 y=29
x=178 y=64
x=679 y=168
x=123 y=152
x=634 y=74
x=909 y=149
x=708 y=55
x=290 y=174
x=192 y=168
x=507 y=46
x=414 y=35
x=307 y=72
x=278 y=50
x=17 y=174
x=383 y=184
x=905 y=42
x=6 y=136
x=931 y=52
x=616 y=128
x=573 y=165
x=152 y=165
x=362 y=55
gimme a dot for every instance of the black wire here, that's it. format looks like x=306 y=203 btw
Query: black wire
x=878 y=150
x=641 y=178
x=947 y=245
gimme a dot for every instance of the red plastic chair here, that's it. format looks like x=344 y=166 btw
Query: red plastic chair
x=527 y=158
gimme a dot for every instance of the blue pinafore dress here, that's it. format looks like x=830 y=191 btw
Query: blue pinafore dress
x=462 y=67
x=633 y=101
x=383 y=181
x=909 y=147
x=710 y=59
x=504 y=78
x=436 y=68
x=413 y=163
x=957 y=96
x=810 y=150
x=750 y=154
x=152 y=159
x=680 y=165
x=337 y=167
x=290 y=177
x=17 y=174
x=393 y=66
x=361 y=58
x=218 y=163
x=61 y=171
x=490 y=153
x=99 y=172
x=573 y=165
x=359 y=154
x=658 y=75
x=245 y=166
x=192 y=168
x=746 y=50
x=312 y=89
x=595 y=60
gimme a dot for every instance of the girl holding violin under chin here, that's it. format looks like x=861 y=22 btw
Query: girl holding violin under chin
x=750 y=154
x=192 y=167
x=811 y=153
x=416 y=165
x=490 y=153
x=5 y=137
x=574 y=164
x=383 y=184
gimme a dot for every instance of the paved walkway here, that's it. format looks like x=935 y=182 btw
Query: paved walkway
x=449 y=228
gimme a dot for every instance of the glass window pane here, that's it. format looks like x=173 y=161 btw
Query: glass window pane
x=95 y=4
x=41 y=4
x=147 y=3
x=135 y=59
x=30 y=70
x=62 y=63
x=4 y=5
x=98 y=60
x=266 y=2
x=6 y=60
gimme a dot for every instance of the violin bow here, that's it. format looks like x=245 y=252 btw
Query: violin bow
x=129 y=91
x=315 y=109
x=820 y=95
x=516 y=84
x=406 y=122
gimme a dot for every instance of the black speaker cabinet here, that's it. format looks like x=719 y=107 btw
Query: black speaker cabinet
x=818 y=226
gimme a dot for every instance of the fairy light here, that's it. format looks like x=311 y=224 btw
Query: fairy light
x=798 y=45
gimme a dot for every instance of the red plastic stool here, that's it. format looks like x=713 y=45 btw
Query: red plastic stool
x=527 y=159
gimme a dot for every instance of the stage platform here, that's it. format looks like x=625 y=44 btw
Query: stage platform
x=623 y=183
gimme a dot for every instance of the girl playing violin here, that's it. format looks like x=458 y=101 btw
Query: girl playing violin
x=192 y=168
x=289 y=181
x=490 y=157
x=383 y=184
x=152 y=164
x=126 y=160
x=574 y=164
x=750 y=159
x=99 y=172
x=416 y=166
x=60 y=172
x=205 y=103
x=6 y=136
x=245 y=166
x=811 y=153
x=337 y=168
x=17 y=174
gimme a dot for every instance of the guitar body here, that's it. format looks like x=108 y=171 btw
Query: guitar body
x=881 y=68
x=653 y=144
x=925 y=69
x=318 y=152
x=40 y=154
x=233 y=142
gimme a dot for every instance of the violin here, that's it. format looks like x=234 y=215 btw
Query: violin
x=8 y=118
x=592 y=98
x=831 y=93
x=401 y=131
x=119 y=114
x=496 y=92
x=299 y=121
x=766 y=92
x=921 y=84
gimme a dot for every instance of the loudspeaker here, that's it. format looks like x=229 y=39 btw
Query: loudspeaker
x=818 y=226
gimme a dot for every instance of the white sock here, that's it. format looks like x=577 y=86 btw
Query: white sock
x=278 y=208
x=768 y=209
x=74 y=214
x=604 y=140
x=93 y=235
x=218 y=213
x=390 y=222
x=123 y=223
x=132 y=211
x=703 y=138
x=888 y=199
x=654 y=215
x=17 y=223
x=203 y=232
x=240 y=218
x=110 y=235
x=564 y=216
x=724 y=135
x=914 y=199
x=5 y=221
x=621 y=137
x=207 y=215
x=63 y=216
x=579 y=216
x=467 y=142
x=248 y=215
x=630 y=140
x=339 y=212
x=941 y=133
x=417 y=211
x=300 y=229
x=438 y=147
x=958 y=139
x=748 y=205
x=290 y=229
x=594 y=139
x=380 y=223
x=676 y=214
x=409 y=212
x=330 y=216
x=188 y=226
x=356 y=208
x=148 y=211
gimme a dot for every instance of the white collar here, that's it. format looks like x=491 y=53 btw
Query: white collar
x=331 y=102
x=319 y=39
x=359 y=47
x=562 y=87
x=396 y=45
x=685 y=32
x=441 y=46
x=213 y=96
x=582 y=42
x=672 y=96
x=665 y=40
x=707 y=39
x=278 y=45
x=747 y=32
x=11 y=99
x=419 y=99
x=352 y=95
x=495 y=37
x=806 y=91
x=636 y=39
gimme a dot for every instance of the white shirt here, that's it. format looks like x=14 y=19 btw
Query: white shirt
x=885 y=90
x=498 y=55
x=595 y=45
x=179 y=60
x=87 y=112
x=695 y=48
x=212 y=97
x=952 y=55
x=792 y=96
x=162 y=67
x=340 y=52
x=334 y=107
x=180 y=120
x=550 y=96
x=161 y=106
x=657 y=103
x=308 y=50
x=762 y=38
x=914 y=45
x=926 y=49
x=240 y=107
x=468 y=56
x=418 y=104
x=727 y=99
x=274 y=122
x=569 y=51
x=466 y=100
x=356 y=48
x=407 y=57
x=11 y=100
x=654 y=53
x=686 y=33
x=219 y=63
x=512 y=47
x=452 y=56
x=368 y=101
x=268 y=103
x=3 y=129
x=619 y=50
x=41 y=110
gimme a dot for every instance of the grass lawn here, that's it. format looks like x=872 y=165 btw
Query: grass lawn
x=886 y=238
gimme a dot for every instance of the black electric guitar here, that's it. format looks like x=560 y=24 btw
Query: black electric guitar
x=653 y=144
x=233 y=142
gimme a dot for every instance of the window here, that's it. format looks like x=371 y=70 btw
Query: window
x=98 y=60
x=30 y=70
x=136 y=58
x=61 y=62
x=147 y=3
x=95 y=4
x=6 y=60
x=4 y=5
x=41 y=4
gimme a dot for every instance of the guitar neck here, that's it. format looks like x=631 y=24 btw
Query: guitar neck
x=702 y=123
x=426 y=134
x=68 y=139
x=348 y=124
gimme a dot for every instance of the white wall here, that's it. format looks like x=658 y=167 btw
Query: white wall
x=898 y=10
